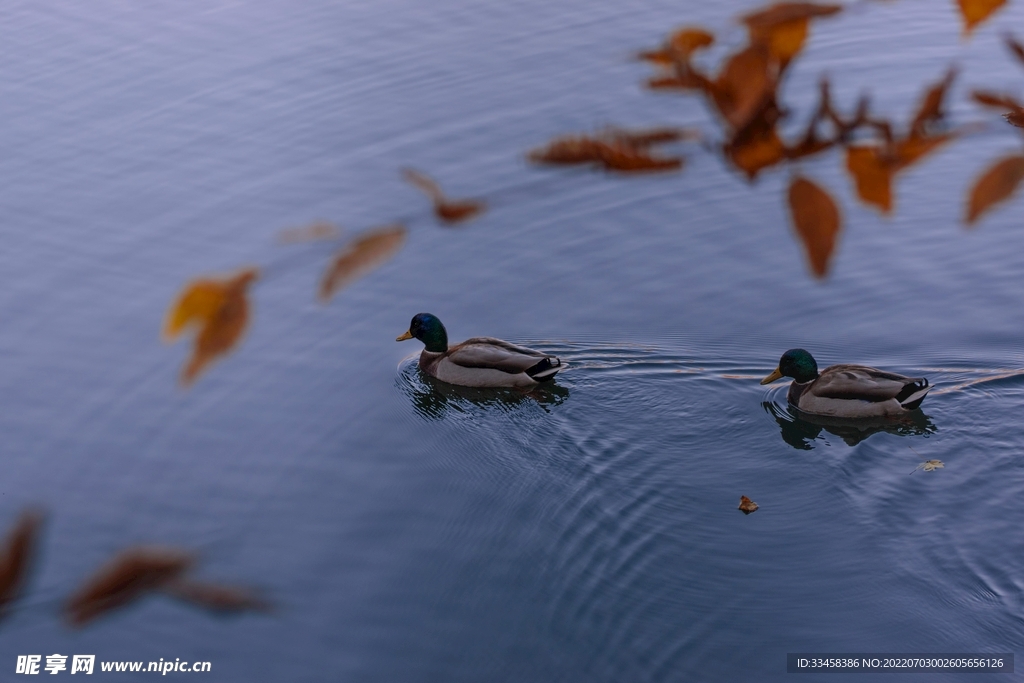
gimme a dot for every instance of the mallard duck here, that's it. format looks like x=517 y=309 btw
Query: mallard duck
x=854 y=391
x=480 y=361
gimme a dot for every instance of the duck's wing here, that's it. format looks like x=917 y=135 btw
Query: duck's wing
x=859 y=382
x=495 y=354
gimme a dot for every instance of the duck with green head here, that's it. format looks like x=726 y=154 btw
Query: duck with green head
x=480 y=361
x=853 y=391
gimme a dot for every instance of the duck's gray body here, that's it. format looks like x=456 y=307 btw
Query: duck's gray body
x=490 y=362
x=856 y=391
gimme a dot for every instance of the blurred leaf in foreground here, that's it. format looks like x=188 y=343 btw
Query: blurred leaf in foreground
x=321 y=230
x=976 y=11
x=16 y=560
x=873 y=166
x=362 y=255
x=816 y=220
x=216 y=597
x=616 y=149
x=747 y=505
x=995 y=185
x=130 y=575
x=219 y=308
x=783 y=27
x=680 y=45
x=930 y=110
x=448 y=210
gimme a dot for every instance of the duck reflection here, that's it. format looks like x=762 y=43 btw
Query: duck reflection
x=799 y=429
x=436 y=400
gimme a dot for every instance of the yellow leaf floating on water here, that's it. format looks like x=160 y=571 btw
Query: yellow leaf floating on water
x=995 y=185
x=816 y=220
x=976 y=11
x=930 y=466
x=16 y=559
x=747 y=505
x=220 y=309
x=362 y=255
x=128 y=576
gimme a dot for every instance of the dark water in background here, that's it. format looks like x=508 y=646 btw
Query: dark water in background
x=409 y=532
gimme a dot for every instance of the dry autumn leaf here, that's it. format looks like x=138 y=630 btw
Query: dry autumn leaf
x=782 y=28
x=217 y=598
x=362 y=255
x=616 y=149
x=1015 y=47
x=747 y=505
x=929 y=466
x=976 y=11
x=680 y=45
x=872 y=175
x=995 y=185
x=127 y=577
x=18 y=550
x=448 y=210
x=756 y=151
x=996 y=100
x=930 y=110
x=816 y=220
x=220 y=309
x=745 y=86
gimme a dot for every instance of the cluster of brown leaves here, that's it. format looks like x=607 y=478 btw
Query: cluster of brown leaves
x=615 y=149
x=130 y=575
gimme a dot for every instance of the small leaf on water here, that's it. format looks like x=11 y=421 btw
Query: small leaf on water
x=128 y=576
x=816 y=220
x=1015 y=47
x=615 y=149
x=627 y=159
x=995 y=185
x=16 y=560
x=976 y=11
x=747 y=505
x=321 y=230
x=930 y=109
x=448 y=210
x=929 y=466
x=997 y=100
x=873 y=176
x=680 y=45
x=217 y=598
x=362 y=255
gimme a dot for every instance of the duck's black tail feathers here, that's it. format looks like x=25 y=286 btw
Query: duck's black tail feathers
x=913 y=393
x=546 y=369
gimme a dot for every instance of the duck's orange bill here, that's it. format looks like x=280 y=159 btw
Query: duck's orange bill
x=772 y=377
x=406 y=335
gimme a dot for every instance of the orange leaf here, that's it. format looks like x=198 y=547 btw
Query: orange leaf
x=995 y=185
x=686 y=41
x=128 y=576
x=872 y=174
x=195 y=307
x=745 y=86
x=361 y=256
x=998 y=100
x=568 y=150
x=817 y=222
x=754 y=153
x=16 y=559
x=930 y=108
x=783 y=27
x=976 y=11
x=913 y=149
x=630 y=160
x=221 y=308
x=747 y=505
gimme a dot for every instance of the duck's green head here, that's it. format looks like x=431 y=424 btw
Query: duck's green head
x=429 y=330
x=795 y=363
